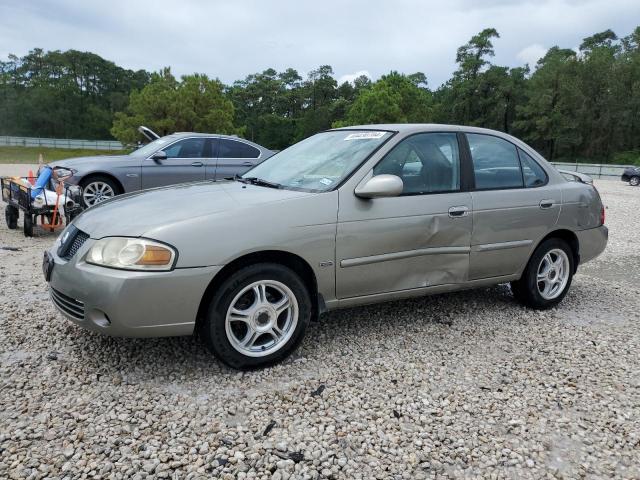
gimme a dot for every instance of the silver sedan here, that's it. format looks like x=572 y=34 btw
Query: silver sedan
x=176 y=158
x=346 y=217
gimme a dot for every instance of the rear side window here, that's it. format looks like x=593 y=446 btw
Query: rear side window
x=233 y=149
x=495 y=162
x=426 y=163
x=533 y=174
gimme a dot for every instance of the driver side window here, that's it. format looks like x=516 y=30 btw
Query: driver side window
x=187 y=148
x=426 y=163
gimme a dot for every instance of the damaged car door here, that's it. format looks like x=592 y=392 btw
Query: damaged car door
x=419 y=238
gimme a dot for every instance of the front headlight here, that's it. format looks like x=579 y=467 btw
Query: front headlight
x=63 y=172
x=131 y=254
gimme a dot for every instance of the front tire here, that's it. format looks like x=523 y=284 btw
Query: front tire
x=98 y=189
x=634 y=181
x=257 y=317
x=547 y=277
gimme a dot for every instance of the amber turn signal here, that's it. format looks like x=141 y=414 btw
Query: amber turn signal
x=155 y=256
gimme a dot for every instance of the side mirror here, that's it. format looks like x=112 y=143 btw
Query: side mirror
x=159 y=156
x=380 y=186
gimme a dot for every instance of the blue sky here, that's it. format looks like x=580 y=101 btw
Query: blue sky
x=232 y=39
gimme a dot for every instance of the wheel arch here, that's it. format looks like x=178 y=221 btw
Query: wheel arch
x=108 y=175
x=568 y=236
x=280 y=257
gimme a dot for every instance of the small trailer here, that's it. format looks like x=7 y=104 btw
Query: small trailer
x=52 y=209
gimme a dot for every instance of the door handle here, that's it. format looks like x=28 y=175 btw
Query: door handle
x=455 y=212
x=547 y=203
x=247 y=164
x=197 y=164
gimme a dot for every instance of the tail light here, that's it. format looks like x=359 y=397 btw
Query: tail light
x=602 y=215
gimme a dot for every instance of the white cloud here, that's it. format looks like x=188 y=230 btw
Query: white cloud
x=230 y=40
x=350 y=77
x=531 y=54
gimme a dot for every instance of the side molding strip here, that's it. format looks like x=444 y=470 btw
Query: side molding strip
x=489 y=247
x=355 y=262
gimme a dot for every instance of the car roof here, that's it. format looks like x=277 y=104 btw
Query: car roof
x=422 y=127
x=200 y=134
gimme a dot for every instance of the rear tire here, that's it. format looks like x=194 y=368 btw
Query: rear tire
x=11 y=215
x=634 y=181
x=257 y=317
x=547 y=277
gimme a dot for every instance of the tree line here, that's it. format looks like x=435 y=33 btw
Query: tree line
x=571 y=105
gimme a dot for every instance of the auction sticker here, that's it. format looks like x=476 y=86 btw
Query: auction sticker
x=365 y=135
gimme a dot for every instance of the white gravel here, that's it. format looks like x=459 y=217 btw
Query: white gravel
x=460 y=385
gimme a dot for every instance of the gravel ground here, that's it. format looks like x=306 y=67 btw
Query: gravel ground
x=459 y=385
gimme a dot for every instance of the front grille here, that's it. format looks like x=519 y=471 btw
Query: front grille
x=72 y=244
x=68 y=305
x=81 y=237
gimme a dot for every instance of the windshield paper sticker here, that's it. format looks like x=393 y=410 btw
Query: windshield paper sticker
x=365 y=135
x=326 y=181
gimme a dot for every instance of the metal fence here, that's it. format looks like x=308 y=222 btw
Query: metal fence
x=594 y=170
x=60 y=143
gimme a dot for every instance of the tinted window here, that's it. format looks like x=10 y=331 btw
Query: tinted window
x=187 y=148
x=233 y=149
x=427 y=163
x=495 y=162
x=534 y=175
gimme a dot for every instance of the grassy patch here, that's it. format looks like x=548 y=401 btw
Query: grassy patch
x=29 y=155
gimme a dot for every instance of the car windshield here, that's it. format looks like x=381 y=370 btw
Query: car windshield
x=320 y=162
x=151 y=147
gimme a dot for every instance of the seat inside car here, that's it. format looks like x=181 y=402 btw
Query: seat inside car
x=437 y=174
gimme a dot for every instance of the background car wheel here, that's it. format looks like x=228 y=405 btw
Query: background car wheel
x=634 y=181
x=547 y=277
x=98 y=189
x=257 y=317
x=11 y=215
x=28 y=225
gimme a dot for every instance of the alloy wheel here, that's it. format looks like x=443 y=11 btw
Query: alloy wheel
x=96 y=192
x=261 y=318
x=553 y=274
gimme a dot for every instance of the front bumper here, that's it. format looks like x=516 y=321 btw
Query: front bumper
x=125 y=303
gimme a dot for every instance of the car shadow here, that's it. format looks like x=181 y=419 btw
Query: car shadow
x=188 y=355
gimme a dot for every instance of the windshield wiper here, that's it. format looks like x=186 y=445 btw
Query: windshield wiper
x=257 y=181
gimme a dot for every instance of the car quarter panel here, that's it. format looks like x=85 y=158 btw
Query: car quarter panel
x=127 y=173
x=581 y=206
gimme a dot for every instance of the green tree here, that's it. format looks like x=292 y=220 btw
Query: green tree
x=63 y=94
x=472 y=56
x=547 y=120
x=395 y=98
x=196 y=104
x=479 y=93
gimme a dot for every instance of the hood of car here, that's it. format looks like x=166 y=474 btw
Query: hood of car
x=84 y=162
x=137 y=213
